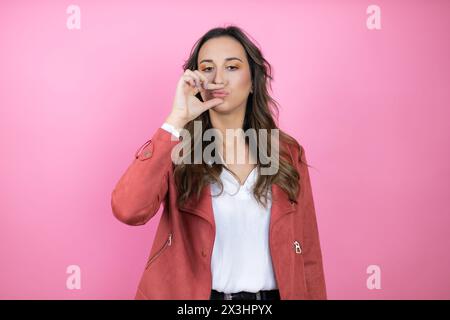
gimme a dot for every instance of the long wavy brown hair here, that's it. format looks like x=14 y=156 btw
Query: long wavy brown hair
x=190 y=178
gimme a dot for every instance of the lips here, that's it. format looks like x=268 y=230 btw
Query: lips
x=219 y=93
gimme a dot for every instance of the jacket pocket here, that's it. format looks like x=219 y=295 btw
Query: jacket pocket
x=168 y=243
x=145 y=151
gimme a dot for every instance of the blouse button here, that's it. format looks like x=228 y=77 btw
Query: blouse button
x=203 y=252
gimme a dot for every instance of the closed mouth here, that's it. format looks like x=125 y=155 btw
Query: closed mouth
x=219 y=93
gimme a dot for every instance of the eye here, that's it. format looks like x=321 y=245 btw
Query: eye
x=208 y=68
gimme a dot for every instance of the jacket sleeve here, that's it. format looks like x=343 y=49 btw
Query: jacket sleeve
x=312 y=255
x=139 y=192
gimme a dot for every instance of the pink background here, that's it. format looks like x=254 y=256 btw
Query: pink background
x=371 y=108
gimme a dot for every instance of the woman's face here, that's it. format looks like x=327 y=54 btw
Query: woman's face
x=223 y=60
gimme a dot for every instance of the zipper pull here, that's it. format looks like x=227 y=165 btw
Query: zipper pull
x=170 y=239
x=298 y=249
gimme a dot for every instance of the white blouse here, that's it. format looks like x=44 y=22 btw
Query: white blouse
x=241 y=259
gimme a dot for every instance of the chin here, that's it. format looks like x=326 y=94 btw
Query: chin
x=223 y=107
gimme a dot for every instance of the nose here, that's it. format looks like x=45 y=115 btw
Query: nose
x=218 y=78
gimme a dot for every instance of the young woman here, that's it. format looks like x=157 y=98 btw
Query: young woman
x=227 y=231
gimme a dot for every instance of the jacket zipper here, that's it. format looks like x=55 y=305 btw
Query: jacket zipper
x=297 y=247
x=166 y=244
x=298 y=250
x=275 y=270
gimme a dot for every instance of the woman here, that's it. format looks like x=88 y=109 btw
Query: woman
x=228 y=230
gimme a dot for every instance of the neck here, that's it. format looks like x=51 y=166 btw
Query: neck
x=223 y=121
x=236 y=143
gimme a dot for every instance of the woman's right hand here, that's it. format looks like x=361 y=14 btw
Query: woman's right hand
x=186 y=106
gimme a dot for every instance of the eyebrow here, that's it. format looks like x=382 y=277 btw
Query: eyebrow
x=226 y=59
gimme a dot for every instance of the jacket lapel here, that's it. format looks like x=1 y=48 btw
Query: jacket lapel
x=281 y=204
x=203 y=207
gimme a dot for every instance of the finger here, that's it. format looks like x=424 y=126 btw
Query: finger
x=212 y=86
x=203 y=79
x=189 y=80
x=212 y=103
x=194 y=76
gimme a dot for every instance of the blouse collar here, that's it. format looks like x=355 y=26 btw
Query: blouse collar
x=230 y=183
